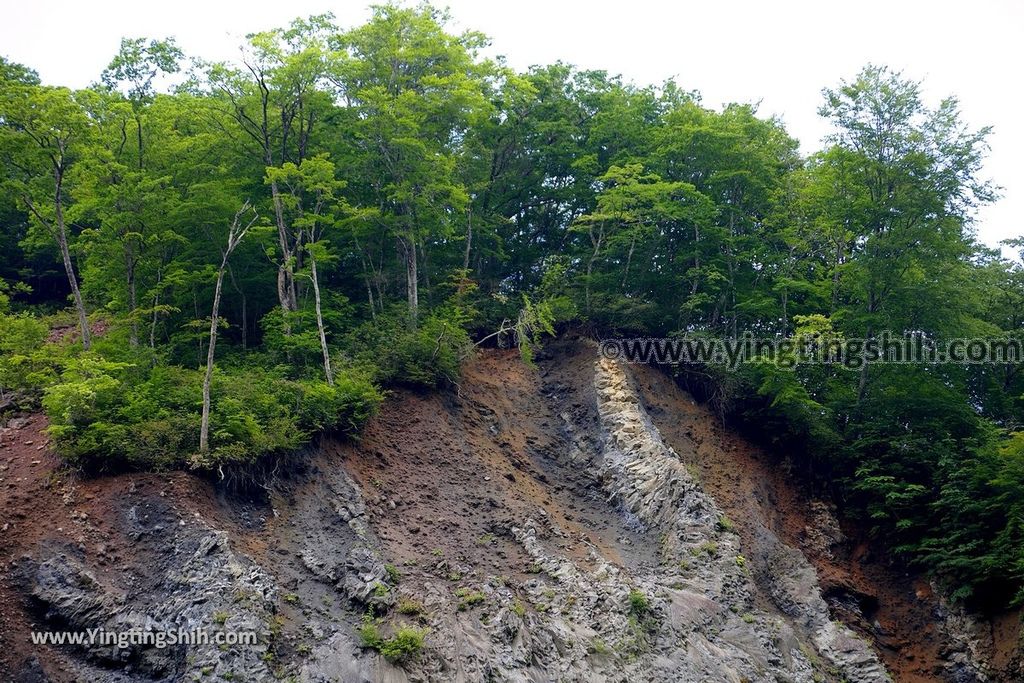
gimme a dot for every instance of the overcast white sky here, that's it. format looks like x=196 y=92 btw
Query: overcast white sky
x=780 y=53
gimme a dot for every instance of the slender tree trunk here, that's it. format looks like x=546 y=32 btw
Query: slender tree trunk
x=204 y=429
x=426 y=269
x=411 y=280
x=366 y=278
x=62 y=242
x=369 y=294
x=235 y=235
x=152 y=325
x=785 y=314
x=835 y=276
x=138 y=136
x=286 y=294
x=130 y=260
x=862 y=383
x=629 y=261
x=379 y=283
x=133 y=334
x=320 y=322
x=469 y=239
x=596 y=242
x=156 y=304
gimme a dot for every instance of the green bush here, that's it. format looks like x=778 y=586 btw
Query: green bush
x=104 y=413
x=301 y=347
x=369 y=634
x=427 y=357
x=404 y=645
x=26 y=362
x=639 y=604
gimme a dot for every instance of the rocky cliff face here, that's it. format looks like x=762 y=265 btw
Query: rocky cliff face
x=701 y=558
x=535 y=525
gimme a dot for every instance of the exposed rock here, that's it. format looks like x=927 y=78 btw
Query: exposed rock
x=365 y=579
x=651 y=482
x=823 y=534
x=210 y=590
x=967 y=661
x=71 y=593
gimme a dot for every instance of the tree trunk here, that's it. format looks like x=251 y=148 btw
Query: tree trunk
x=62 y=241
x=411 y=280
x=862 y=382
x=596 y=242
x=130 y=260
x=285 y=276
x=235 y=235
x=835 y=277
x=152 y=325
x=426 y=269
x=366 y=278
x=469 y=239
x=156 y=305
x=785 y=314
x=204 y=429
x=138 y=136
x=133 y=334
x=320 y=322
x=629 y=261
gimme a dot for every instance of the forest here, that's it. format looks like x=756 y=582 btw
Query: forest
x=207 y=264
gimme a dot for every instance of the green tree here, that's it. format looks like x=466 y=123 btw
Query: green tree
x=277 y=102
x=415 y=91
x=42 y=130
x=311 y=199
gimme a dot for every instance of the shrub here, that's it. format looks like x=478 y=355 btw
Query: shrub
x=105 y=414
x=469 y=598
x=301 y=348
x=410 y=607
x=639 y=605
x=427 y=357
x=369 y=634
x=25 y=365
x=404 y=645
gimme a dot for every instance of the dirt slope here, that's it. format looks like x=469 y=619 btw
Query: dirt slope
x=491 y=514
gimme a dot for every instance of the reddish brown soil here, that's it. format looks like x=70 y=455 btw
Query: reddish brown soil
x=446 y=476
x=70 y=334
